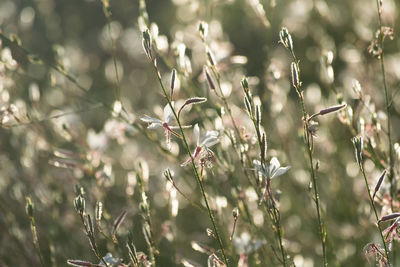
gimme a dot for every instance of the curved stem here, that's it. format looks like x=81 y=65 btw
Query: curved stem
x=210 y=213
x=314 y=180
x=388 y=104
x=375 y=212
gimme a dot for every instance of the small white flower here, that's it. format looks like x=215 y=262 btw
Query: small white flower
x=273 y=170
x=155 y=123
x=202 y=145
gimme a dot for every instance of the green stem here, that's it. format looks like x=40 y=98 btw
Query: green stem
x=36 y=240
x=375 y=212
x=313 y=179
x=387 y=102
x=210 y=214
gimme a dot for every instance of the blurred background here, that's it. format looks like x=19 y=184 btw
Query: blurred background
x=61 y=99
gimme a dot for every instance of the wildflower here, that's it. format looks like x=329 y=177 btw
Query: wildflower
x=273 y=170
x=269 y=172
x=205 y=155
x=165 y=123
x=391 y=233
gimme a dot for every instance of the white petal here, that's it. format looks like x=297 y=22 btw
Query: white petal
x=280 y=171
x=154 y=125
x=196 y=132
x=273 y=166
x=149 y=119
x=168 y=113
x=209 y=142
x=209 y=139
x=257 y=165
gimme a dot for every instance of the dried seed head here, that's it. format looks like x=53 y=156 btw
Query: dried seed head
x=286 y=38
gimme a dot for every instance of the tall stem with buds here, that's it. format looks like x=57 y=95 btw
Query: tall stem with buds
x=147 y=48
x=286 y=40
x=254 y=112
x=381 y=38
x=358 y=147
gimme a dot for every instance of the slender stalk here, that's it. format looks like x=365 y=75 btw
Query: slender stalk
x=210 y=213
x=388 y=105
x=29 y=211
x=375 y=212
x=287 y=42
x=271 y=207
x=308 y=144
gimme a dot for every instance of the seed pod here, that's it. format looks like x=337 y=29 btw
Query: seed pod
x=210 y=57
x=173 y=77
x=99 y=211
x=378 y=185
x=258 y=116
x=248 y=106
x=209 y=79
x=295 y=75
x=331 y=109
x=389 y=217
x=192 y=101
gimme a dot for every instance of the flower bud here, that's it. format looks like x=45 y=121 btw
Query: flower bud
x=286 y=38
x=358 y=147
x=295 y=75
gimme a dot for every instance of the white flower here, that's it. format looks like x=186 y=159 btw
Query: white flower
x=273 y=170
x=157 y=123
x=202 y=145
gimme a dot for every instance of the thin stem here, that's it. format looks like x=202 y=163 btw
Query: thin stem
x=309 y=147
x=375 y=212
x=314 y=180
x=210 y=214
x=36 y=240
x=271 y=207
x=387 y=102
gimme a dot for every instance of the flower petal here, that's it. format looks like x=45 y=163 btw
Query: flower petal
x=273 y=166
x=149 y=119
x=258 y=166
x=168 y=113
x=210 y=139
x=154 y=125
x=280 y=171
x=196 y=132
